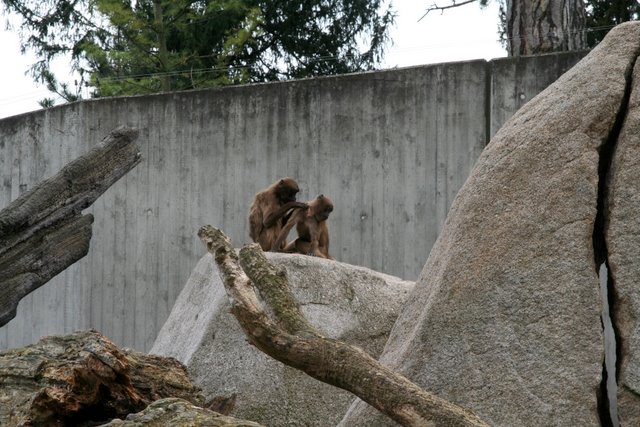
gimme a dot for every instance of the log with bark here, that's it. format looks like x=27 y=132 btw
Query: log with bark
x=287 y=336
x=83 y=379
x=43 y=231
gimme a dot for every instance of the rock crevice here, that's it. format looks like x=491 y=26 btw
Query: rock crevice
x=601 y=253
x=621 y=231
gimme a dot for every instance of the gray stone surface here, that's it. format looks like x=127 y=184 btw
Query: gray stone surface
x=353 y=304
x=175 y=412
x=505 y=318
x=623 y=243
x=516 y=80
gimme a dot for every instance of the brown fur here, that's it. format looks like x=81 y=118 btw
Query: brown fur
x=268 y=212
x=311 y=225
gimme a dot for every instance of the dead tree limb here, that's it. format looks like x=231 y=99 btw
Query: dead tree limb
x=43 y=231
x=292 y=340
x=443 y=8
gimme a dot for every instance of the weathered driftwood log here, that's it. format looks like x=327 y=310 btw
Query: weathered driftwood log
x=42 y=232
x=177 y=412
x=82 y=379
x=291 y=339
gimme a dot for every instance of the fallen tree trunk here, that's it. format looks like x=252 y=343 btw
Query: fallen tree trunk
x=291 y=339
x=43 y=231
x=84 y=379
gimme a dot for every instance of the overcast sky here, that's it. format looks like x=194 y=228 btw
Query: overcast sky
x=467 y=32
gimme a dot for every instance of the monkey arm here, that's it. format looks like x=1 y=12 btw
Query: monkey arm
x=323 y=243
x=313 y=248
x=291 y=247
x=272 y=217
x=285 y=232
x=255 y=223
x=286 y=217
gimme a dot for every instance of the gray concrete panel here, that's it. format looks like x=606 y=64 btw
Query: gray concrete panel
x=391 y=148
x=515 y=81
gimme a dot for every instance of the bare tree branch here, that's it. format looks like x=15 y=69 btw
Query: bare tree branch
x=292 y=340
x=443 y=8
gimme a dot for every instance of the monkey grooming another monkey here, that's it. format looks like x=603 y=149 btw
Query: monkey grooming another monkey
x=311 y=225
x=268 y=212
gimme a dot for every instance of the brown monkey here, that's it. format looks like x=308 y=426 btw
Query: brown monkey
x=267 y=214
x=311 y=224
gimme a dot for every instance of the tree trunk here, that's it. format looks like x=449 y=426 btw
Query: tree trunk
x=42 y=232
x=163 y=53
x=544 y=26
x=292 y=340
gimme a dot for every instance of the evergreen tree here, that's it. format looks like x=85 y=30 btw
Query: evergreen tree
x=121 y=47
x=602 y=15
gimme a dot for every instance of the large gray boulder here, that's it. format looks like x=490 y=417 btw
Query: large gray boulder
x=505 y=317
x=623 y=242
x=350 y=303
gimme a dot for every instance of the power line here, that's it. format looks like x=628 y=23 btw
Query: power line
x=209 y=70
x=15 y=99
x=326 y=58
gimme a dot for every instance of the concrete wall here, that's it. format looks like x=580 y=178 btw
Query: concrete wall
x=391 y=148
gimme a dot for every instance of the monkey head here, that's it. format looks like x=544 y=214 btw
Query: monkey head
x=286 y=190
x=320 y=207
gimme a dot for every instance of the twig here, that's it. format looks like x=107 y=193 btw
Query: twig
x=443 y=8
